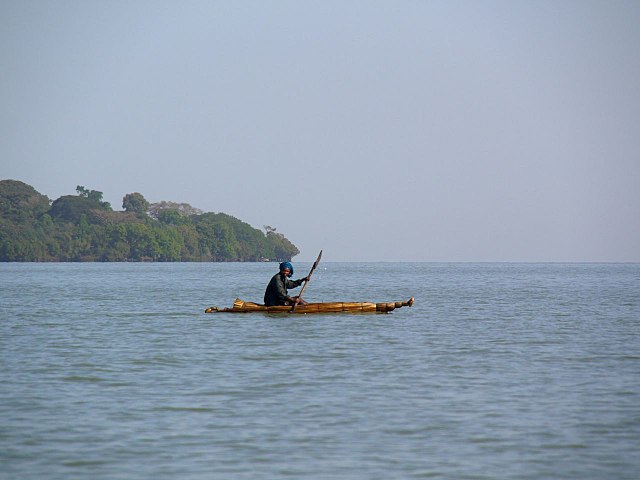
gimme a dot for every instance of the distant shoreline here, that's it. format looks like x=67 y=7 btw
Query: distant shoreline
x=84 y=228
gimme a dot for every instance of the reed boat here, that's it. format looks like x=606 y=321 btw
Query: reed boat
x=240 y=306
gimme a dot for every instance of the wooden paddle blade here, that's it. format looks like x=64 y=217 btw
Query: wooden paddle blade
x=315 y=264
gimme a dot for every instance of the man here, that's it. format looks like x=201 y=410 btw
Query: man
x=276 y=292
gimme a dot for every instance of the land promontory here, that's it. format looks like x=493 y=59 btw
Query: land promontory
x=83 y=227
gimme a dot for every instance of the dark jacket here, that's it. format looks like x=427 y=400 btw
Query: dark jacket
x=276 y=292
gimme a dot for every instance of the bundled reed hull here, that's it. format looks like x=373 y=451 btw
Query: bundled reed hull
x=240 y=306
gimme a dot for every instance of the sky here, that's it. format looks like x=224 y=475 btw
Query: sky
x=418 y=131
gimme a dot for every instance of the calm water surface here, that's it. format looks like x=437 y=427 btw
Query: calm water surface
x=499 y=371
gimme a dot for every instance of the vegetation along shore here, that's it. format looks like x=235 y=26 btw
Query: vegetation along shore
x=84 y=228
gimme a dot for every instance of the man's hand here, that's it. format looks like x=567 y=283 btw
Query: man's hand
x=300 y=301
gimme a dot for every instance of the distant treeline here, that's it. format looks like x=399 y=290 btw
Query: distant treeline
x=82 y=227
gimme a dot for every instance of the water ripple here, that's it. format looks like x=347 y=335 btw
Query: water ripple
x=498 y=371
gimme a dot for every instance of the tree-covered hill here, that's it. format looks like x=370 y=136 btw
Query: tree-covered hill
x=83 y=227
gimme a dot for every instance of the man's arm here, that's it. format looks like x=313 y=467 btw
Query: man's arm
x=295 y=283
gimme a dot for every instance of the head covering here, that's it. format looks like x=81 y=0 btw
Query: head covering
x=288 y=265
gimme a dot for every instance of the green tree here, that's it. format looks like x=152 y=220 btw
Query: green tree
x=170 y=242
x=116 y=246
x=70 y=208
x=282 y=248
x=190 y=251
x=142 y=242
x=136 y=203
x=20 y=202
x=93 y=195
x=172 y=217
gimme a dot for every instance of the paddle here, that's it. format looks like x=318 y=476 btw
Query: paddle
x=315 y=264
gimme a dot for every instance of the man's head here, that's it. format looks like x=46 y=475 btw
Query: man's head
x=286 y=269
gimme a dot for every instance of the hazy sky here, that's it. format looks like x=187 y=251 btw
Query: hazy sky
x=376 y=130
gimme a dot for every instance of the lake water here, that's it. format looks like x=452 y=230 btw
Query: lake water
x=499 y=371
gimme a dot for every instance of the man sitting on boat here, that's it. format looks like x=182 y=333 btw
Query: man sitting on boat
x=277 y=293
